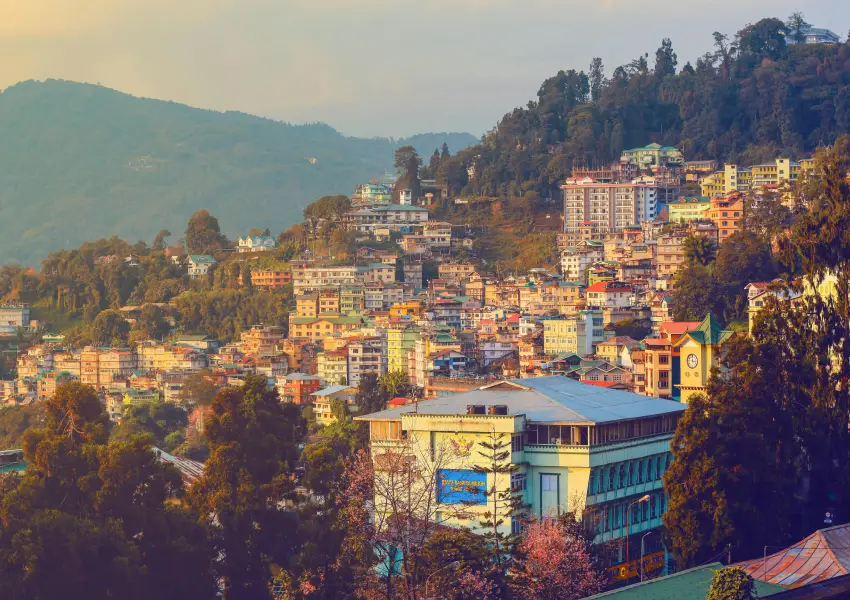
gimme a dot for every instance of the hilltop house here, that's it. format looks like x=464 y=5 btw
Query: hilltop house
x=257 y=243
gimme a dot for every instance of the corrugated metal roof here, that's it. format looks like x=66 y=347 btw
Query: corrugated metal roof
x=190 y=470
x=551 y=399
x=691 y=584
x=823 y=555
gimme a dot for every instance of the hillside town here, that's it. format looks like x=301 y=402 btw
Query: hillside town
x=611 y=379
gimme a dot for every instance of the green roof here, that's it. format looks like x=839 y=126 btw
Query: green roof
x=202 y=258
x=710 y=332
x=691 y=584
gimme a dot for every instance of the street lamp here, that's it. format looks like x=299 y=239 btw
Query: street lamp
x=641 y=551
x=644 y=498
x=450 y=565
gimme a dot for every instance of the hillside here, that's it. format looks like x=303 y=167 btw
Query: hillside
x=82 y=162
x=749 y=98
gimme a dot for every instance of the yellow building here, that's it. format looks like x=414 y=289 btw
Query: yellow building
x=576 y=447
x=317 y=328
x=611 y=349
x=699 y=352
x=401 y=339
x=576 y=334
x=332 y=366
x=688 y=208
x=411 y=308
x=323 y=399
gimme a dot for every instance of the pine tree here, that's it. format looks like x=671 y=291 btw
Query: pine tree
x=503 y=502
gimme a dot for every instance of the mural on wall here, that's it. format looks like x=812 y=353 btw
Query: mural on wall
x=461 y=486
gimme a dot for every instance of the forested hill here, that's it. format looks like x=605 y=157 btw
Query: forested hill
x=751 y=97
x=80 y=162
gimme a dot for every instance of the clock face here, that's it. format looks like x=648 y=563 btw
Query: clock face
x=693 y=361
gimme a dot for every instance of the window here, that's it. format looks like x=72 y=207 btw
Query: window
x=548 y=483
x=640 y=471
x=649 y=471
x=611 y=478
x=518 y=482
x=631 y=473
x=517 y=443
x=653 y=506
x=516 y=525
x=622 y=479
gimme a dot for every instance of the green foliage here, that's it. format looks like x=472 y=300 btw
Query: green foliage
x=199 y=389
x=729 y=451
x=160 y=420
x=106 y=161
x=699 y=250
x=371 y=396
x=253 y=441
x=91 y=518
x=225 y=313
x=203 y=234
x=731 y=583
x=633 y=328
x=743 y=97
x=743 y=258
x=328 y=208
x=15 y=421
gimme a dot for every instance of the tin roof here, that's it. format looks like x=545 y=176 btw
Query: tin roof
x=551 y=399
x=823 y=555
x=691 y=584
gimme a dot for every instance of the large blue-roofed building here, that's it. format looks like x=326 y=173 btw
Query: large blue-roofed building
x=576 y=448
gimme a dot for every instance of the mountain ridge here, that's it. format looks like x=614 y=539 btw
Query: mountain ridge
x=83 y=161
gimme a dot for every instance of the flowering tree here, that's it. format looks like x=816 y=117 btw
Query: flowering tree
x=553 y=563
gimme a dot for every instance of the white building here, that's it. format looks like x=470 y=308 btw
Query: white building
x=199 y=265
x=607 y=207
x=813 y=35
x=14 y=316
x=257 y=243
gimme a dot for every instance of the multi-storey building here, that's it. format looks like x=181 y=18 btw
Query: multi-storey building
x=401 y=338
x=14 y=316
x=607 y=207
x=653 y=155
x=316 y=328
x=310 y=279
x=455 y=272
x=261 y=339
x=661 y=360
x=298 y=388
x=576 y=334
x=270 y=279
x=100 y=367
x=575 y=260
x=152 y=356
x=609 y=294
x=727 y=213
x=600 y=453
x=366 y=355
x=392 y=216
x=333 y=366
x=670 y=253
x=688 y=208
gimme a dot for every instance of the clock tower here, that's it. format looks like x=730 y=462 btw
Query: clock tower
x=699 y=352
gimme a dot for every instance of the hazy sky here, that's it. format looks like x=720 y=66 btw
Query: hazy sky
x=366 y=67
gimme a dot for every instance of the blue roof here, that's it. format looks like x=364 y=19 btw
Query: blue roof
x=552 y=399
x=202 y=258
x=330 y=391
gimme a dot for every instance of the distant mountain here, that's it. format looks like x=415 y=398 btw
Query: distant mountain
x=80 y=161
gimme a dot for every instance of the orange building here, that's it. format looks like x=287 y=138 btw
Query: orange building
x=661 y=359
x=727 y=213
x=298 y=387
x=269 y=279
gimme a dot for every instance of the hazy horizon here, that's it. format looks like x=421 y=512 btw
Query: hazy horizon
x=375 y=68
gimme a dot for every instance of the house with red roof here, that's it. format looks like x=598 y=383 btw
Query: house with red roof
x=615 y=294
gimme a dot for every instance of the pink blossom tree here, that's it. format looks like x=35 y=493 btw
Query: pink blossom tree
x=553 y=563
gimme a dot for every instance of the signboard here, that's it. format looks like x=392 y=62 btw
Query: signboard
x=461 y=486
x=828 y=517
x=651 y=563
